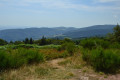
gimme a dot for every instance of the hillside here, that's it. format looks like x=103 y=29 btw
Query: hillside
x=71 y=32
x=97 y=30
x=35 y=33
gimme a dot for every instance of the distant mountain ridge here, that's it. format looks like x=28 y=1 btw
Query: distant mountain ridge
x=37 y=33
x=97 y=30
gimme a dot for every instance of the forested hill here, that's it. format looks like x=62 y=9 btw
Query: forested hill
x=97 y=30
x=37 y=33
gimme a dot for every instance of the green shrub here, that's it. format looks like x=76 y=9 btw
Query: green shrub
x=59 y=48
x=16 y=58
x=33 y=56
x=102 y=60
x=88 y=43
x=115 y=45
x=3 y=59
x=86 y=55
x=93 y=43
x=69 y=47
x=105 y=60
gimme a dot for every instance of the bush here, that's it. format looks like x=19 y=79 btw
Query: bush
x=3 y=59
x=16 y=58
x=103 y=60
x=31 y=55
x=88 y=43
x=86 y=56
x=93 y=43
x=68 y=46
x=115 y=45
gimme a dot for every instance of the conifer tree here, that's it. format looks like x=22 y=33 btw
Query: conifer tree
x=26 y=41
x=117 y=33
x=31 y=41
x=43 y=41
x=3 y=42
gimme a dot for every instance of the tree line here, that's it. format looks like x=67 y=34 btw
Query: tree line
x=113 y=37
x=42 y=41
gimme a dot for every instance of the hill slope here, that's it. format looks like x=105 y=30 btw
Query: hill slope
x=61 y=32
x=98 y=30
x=35 y=33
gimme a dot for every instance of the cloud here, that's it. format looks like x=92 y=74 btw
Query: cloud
x=64 y=4
x=115 y=16
x=67 y=4
x=105 y=1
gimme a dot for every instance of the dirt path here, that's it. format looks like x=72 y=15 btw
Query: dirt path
x=80 y=74
x=52 y=70
x=54 y=63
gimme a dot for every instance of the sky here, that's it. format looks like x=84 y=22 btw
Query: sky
x=55 y=13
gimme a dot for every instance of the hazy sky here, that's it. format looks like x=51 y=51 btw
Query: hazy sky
x=54 y=13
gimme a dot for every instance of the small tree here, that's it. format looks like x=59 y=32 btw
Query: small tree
x=26 y=41
x=43 y=41
x=31 y=41
x=117 y=33
x=11 y=42
x=115 y=36
x=3 y=42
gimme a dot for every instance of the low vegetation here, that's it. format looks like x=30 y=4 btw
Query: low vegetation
x=102 y=54
x=107 y=60
x=15 y=58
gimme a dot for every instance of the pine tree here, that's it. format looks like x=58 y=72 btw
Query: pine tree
x=3 y=42
x=43 y=41
x=117 y=33
x=31 y=41
x=11 y=42
x=26 y=41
